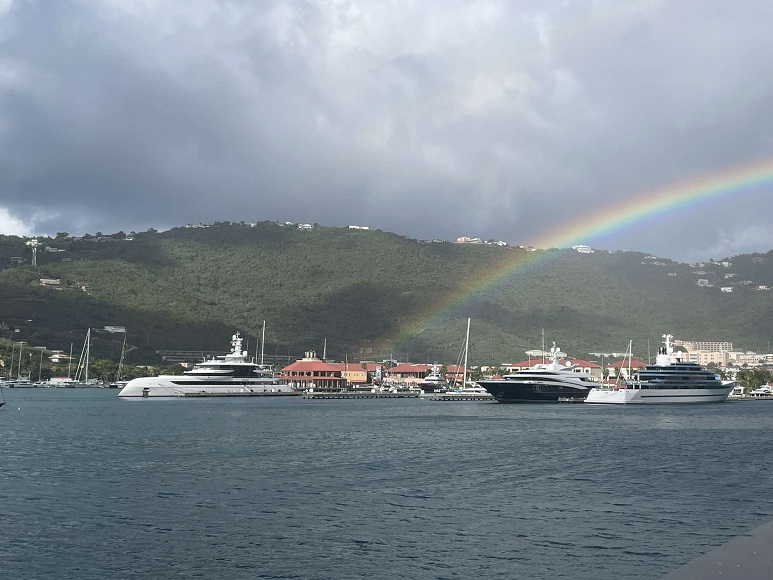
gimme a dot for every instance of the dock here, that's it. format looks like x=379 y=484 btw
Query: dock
x=241 y=394
x=451 y=397
x=364 y=395
x=736 y=399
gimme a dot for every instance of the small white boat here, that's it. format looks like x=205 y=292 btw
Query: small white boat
x=470 y=391
x=434 y=381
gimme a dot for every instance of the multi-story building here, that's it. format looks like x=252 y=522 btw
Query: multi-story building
x=691 y=345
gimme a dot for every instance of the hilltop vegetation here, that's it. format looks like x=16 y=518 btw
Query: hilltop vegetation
x=370 y=294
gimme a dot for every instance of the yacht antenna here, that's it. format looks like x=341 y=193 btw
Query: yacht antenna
x=324 y=350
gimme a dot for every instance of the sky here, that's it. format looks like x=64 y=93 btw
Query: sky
x=507 y=120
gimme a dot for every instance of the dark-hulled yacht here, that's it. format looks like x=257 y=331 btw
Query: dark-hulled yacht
x=542 y=383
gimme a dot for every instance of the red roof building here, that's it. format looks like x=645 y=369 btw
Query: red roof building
x=619 y=369
x=408 y=372
x=312 y=373
x=354 y=373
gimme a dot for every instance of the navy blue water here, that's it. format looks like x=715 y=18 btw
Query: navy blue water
x=95 y=487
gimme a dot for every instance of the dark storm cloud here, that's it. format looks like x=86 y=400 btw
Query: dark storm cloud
x=436 y=119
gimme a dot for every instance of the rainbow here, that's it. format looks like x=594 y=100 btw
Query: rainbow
x=626 y=214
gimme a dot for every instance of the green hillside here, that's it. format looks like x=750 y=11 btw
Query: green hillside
x=371 y=294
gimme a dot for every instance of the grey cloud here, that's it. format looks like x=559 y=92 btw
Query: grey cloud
x=436 y=119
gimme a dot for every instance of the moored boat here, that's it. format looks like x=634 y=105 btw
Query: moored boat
x=669 y=380
x=434 y=382
x=230 y=375
x=542 y=383
x=470 y=392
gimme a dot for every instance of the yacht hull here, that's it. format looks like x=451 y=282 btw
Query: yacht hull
x=533 y=392
x=657 y=396
x=167 y=387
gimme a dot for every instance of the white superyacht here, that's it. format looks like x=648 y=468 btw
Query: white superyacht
x=669 y=380
x=230 y=375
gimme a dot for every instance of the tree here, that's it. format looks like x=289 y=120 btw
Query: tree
x=103 y=369
x=752 y=379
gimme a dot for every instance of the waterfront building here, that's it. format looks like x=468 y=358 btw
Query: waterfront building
x=694 y=345
x=359 y=373
x=408 y=372
x=313 y=373
x=620 y=369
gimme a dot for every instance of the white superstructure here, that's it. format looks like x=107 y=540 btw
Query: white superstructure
x=542 y=383
x=669 y=380
x=434 y=382
x=229 y=375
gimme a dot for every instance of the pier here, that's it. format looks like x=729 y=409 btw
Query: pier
x=241 y=394
x=364 y=395
x=469 y=397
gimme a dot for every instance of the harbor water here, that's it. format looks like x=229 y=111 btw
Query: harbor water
x=96 y=487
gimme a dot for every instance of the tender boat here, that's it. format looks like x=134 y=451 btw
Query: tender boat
x=471 y=391
x=434 y=382
x=229 y=375
x=542 y=383
x=669 y=380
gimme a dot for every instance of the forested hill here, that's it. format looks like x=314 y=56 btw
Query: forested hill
x=370 y=294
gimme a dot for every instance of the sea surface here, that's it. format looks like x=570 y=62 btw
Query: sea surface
x=95 y=487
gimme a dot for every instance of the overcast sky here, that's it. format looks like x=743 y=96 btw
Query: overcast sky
x=429 y=118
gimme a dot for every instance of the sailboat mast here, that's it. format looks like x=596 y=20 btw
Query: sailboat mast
x=120 y=361
x=262 y=343
x=10 y=366
x=69 y=362
x=88 y=353
x=21 y=350
x=630 y=356
x=324 y=350
x=466 y=350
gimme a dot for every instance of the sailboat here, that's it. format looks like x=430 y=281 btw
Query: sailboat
x=118 y=382
x=471 y=391
x=82 y=370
